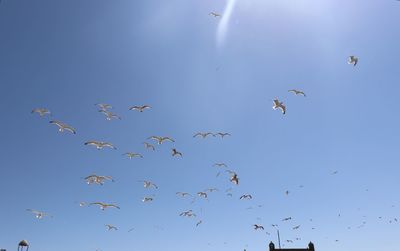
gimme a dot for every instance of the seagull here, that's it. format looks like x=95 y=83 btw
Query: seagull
x=103 y=206
x=147 y=146
x=175 y=152
x=234 y=179
x=133 y=155
x=99 y=144
x=286 y=219
x=335 y=172
x=256 y=227
x=279 y=105
x=296 y=227
x=202 y=194
x=111 y=227
x=183 y=194
x=246 y=196
x=188 y=213
x=211 y=190
x=110 y=115
x=38 y=214
x=97 y=179
x=289 y=241
x=41 y=111
x=203 y=134
x=297 y=92
x=104 y=106
x=139 y=108
x=223 y=134
x=147 y=199
x=198 y=223
x=353 y=60
x=220 y=165
x=148 y=184
x=63 y=126
x=287 y=192
x=160 y=140
x=214 y=14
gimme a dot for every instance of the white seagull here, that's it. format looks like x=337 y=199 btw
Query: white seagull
x=62 y=126
x=279 y=105
x=41 y=111
x=353 y=60
x=139 y=108
x=100 y=144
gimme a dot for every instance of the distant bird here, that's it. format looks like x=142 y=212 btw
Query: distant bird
x=130 y=230
x=183 y=194
x=274 y=225
x=256 y=227
x=198 y=223
x=220 y=165
x=111 y=227
x=210 y=190
x=41 y=111
x=287 y=192
x=279 y=105
x=335 y=172
x=38 y=214
x=99 y=144
x=148 y=184
x=286 y=219
x=223 y=134
x=82 y=204
x=133 y=155
x=176 y=153
x=234 y=179
x=62 y=126
x=104 y=106
x=103 y=206
x=147 y=199
x=203 y=134
x=188 y=213
x=297 y=92
x=353 y=60
x=289 y=241
x=93 y=178
x=229 y=194
x=109 y=115
x=160 y=140
x=296 y=227
x=246 y=196
x=139 y=108
x=147 y=146
x=202 y=194
x=214 y=14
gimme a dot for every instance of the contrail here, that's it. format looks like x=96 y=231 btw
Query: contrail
x=223 y=25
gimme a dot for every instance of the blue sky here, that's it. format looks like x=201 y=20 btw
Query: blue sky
x=68 y=55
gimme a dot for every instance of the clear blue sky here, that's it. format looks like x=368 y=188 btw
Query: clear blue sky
x=68 y=55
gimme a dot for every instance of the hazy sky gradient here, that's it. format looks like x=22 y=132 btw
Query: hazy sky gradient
x=68 y=55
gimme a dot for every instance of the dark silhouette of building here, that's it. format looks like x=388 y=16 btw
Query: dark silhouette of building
x=310 y=248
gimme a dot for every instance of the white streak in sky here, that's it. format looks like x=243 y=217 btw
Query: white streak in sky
x=224 y=23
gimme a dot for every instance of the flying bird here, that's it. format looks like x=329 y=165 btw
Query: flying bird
x=214 y=14
x=223 y=134
x=296 y=227
x=246 y=196
x=103 y=206
x=176 y=153
x=211 y=190
x=160 y=140
x=198 y=223
x=62 y=126
x=188 y=213
x=202 y=194
x=234 y=179
x=353 y=60
x=93 y=178
x=297 y=92
x=99 y=144
x=148 y=184
x=149 y=146
x=109 y=115
x=111 y=227
x=38 y=214
x=286 y=219
x=104 y=106
x=133 y=155
x=139 y=108
x=183 y=194
x=256 y=227
x=147 y=199
x=41 y=111
x=220 y=165
x=279 y=105
x=203 y=134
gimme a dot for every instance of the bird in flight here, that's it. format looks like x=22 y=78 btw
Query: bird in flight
x=198 y=223
x=296 y=227
x=256 y=227
x=353 y=60
x=111 y=227
x=38 y=214
x=82 y=204
x=62 y=126
x=183 y=194
x=104 y=106
x=109 y=115
x=335 y=172
x=211 y=190
x=297 y=92
x=220 y=165
x=234 y=179
x=202 y=194
x=160 y=140
x=148 y=184
x=41 y=111
x=103 y=206
x=279 y=105
x=214 y=14
x=246 y=196
x=133 y=155
x=139 y=108
x=149 y=146
x=203 y=134
x=97 y=179
x=188 y=213
x=99 y=144
x=223 y=134
x=286 y=219
x=287 y=192
x=147 y=199
x=176 y=153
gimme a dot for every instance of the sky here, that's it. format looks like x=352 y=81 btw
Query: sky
x=335 y=150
